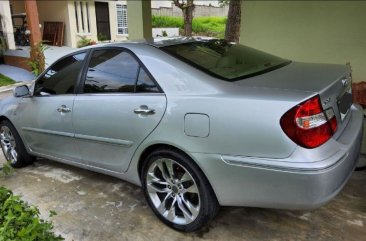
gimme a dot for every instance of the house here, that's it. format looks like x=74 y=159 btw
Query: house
x=308 y=31
x=96 y=20
x=103 y=20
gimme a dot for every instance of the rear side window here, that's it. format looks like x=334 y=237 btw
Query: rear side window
x=61 y=77
x=145 y=83
x=116 y=71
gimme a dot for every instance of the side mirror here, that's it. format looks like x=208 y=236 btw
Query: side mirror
x=21 y=91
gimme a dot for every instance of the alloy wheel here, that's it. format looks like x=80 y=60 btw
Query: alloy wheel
x=8 y=144
x=173 y=191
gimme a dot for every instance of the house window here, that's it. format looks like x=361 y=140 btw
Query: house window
x=82 y=16
x=122 y=26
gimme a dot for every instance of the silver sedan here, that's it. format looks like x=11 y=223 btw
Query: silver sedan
x=196 y=123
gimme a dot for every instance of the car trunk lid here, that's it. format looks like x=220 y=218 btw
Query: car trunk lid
x=332 y=82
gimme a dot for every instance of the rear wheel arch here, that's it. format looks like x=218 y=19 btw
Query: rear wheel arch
x=2 y=118
x=208 y=203
x=167 y=147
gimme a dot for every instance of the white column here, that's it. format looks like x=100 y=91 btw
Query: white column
x=86 y=18
x=79 y=22
x=139 y=19
x=6 y=23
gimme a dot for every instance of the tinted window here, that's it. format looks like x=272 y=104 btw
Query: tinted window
x=224 y=59
x=111 y=70
x=145 y=83
x=61 y=77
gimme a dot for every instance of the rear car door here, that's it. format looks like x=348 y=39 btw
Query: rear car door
x=120 y=104
x=46 y=117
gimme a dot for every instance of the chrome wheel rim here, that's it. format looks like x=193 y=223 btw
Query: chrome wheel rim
x=8 y=144
x=173 y=191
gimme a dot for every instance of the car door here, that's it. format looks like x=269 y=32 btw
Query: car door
x=46 y=117
x=120 y=105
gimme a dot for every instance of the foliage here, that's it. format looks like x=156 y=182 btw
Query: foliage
x=5 y=80
x=84 y=41
x=102 y=37
x=224 y=2
x=6 y=169
x=21 y=222
x=167 y=22
x=37 y=60
x=207 y=26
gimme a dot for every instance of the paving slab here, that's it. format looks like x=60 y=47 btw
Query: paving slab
x=17 y=74
x=96 y=207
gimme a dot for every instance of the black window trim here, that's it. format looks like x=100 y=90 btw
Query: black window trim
x=87 y=53
x=80 y=86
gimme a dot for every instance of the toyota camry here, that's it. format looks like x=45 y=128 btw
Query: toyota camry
x=197 y=123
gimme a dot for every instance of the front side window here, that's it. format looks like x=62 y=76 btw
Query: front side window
x=225 y=60
x=116 y=71
x=61 y=77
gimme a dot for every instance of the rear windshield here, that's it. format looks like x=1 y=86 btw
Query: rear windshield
x=225 y=60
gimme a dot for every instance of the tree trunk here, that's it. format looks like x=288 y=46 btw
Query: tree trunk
x=232 y=30
x=188 y=17
x=187 y=7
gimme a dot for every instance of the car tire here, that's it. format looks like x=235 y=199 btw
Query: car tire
x=177 y=191
x=13 y=147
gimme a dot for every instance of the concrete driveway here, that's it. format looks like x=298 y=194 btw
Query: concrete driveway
x=95 y=207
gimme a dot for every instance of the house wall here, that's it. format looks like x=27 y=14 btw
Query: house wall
x=17 y=7
x=55 y=11
x=309 y=31
x=113 y=20
x=6 y=25
x=75 y=36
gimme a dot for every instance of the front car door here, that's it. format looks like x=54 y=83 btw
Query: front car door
x=120 y=105
x=46 y=117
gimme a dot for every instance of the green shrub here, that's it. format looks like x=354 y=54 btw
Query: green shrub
x=21 y=222
x=84 y=41
x=207 y=26
x=167 y=22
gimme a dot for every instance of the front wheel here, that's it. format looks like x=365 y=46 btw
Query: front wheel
x=12 y=146
x=177 y=191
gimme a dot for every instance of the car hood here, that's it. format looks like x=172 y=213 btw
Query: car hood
x=298 y=76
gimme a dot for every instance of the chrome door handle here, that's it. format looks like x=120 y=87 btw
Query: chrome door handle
x=144 y=109
x=63 y=109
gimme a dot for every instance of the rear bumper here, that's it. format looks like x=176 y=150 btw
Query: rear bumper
x=291 y=183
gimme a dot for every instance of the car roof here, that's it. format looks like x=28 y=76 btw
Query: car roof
x=156 y=42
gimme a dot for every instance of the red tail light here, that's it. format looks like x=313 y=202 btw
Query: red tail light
x=308 y=125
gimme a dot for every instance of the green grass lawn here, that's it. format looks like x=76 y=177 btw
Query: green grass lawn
x=4 y=80
x=205 y=26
